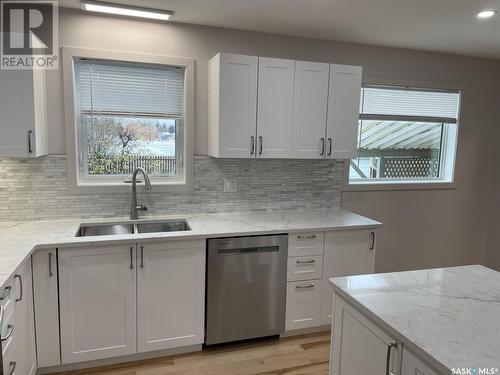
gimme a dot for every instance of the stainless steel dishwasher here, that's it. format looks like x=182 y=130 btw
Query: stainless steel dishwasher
x=246 y=288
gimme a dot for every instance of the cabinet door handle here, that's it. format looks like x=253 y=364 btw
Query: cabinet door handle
x=322 y=152
x=306 y=237
x=142 y=256
x=392 y=344
x=372 y=245
x=131 y=257
x=261 y=142
x=30 y=147
x=50 y=265
x=12 y=365
x=20 y=287
x=252 y=145
x=330 y=145
x=6 y=292
x=309 y=261
x=10 y=330
x=308 y=286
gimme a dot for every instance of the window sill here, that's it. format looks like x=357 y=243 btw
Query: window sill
x=399 y=186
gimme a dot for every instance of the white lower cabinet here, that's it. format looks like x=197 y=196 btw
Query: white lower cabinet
x=102 y=288
x=46 y=300
x=170 y=294
x=97 y=289
x=303 y=306
x=347 y=253
x=413 y=366
x=361 y=347
x=18 y=329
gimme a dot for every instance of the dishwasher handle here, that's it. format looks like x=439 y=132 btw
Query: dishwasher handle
x=248 y=250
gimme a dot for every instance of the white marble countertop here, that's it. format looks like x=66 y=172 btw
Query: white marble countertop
x=448 y=316
x=20 y=239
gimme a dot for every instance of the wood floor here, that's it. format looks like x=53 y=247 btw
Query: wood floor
x=299 y=355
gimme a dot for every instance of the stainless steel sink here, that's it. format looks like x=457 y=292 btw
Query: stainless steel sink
x=86 y=230
x=163 y=226
x=109 y=229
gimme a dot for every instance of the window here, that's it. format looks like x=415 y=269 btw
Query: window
x=406 y=135
x=126 y=110
x=129 y=116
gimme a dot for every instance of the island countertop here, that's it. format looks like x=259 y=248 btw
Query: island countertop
x=21 y=238
x=448 y=316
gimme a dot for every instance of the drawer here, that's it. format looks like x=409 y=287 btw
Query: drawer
x=305 y=244
x=7 y=330
x=9 y=354
x=303 y=304
x=305 y=268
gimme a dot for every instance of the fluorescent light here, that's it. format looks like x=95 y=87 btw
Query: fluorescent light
x=125 y=10
x=486 y=13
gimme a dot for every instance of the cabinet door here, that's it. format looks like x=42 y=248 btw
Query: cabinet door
x=97 y=289
x=171 y=294
x=359 y=346
x=303 y=304
x=16 y=107
x=343 y=111
x=46 y=299
x=233 y=105
x=413 y=366
x=309 y=110
x=275 y=108
x=347 y=253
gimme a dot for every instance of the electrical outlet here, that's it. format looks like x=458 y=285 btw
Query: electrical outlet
x=230 y=186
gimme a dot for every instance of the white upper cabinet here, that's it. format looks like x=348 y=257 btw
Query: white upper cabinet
x=309 y=109
x=232 y=105
x=275 y=108
x=343 y=111
x=23 y=113
x=171 y=294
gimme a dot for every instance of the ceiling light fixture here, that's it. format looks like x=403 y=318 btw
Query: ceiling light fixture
x=126 y=10
x=486 y=13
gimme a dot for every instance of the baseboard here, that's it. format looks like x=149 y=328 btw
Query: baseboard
x=305 y=331
x=119 y=360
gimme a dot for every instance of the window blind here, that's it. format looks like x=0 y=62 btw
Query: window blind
x=398 y=103
x=130 y=89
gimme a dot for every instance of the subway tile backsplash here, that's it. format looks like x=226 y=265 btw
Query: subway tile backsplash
x=35 y=189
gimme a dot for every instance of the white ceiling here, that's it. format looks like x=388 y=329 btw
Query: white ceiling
x=435 y=25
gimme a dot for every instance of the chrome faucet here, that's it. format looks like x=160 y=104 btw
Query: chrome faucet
x=134 y=207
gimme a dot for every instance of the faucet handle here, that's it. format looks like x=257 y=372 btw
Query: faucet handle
x=141 y=207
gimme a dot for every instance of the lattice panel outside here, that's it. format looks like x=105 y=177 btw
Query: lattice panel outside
x=409 y=167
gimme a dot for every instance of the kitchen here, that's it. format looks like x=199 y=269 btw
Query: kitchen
x=261 y=142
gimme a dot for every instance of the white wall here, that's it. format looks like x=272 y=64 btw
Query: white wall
x=422 y=228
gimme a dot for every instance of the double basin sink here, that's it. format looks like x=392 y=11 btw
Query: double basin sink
x=108 y=229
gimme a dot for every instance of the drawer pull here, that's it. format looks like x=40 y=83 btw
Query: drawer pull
x=309 y=286
x=12 y=365
x=10 y=329
x=6 y=293
x=392 y=344
x=20 y=287
x=306 y=236
x=309 y=261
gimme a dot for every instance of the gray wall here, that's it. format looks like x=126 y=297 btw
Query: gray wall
x=426 y=228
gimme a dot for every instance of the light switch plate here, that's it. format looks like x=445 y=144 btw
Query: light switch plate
x=230 y=186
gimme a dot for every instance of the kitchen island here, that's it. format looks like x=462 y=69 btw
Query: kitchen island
x=437 y=321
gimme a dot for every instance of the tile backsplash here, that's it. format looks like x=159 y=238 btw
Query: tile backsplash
x=35 y=189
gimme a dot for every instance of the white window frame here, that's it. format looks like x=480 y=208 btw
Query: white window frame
x=448 y=165
x=75 y=184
